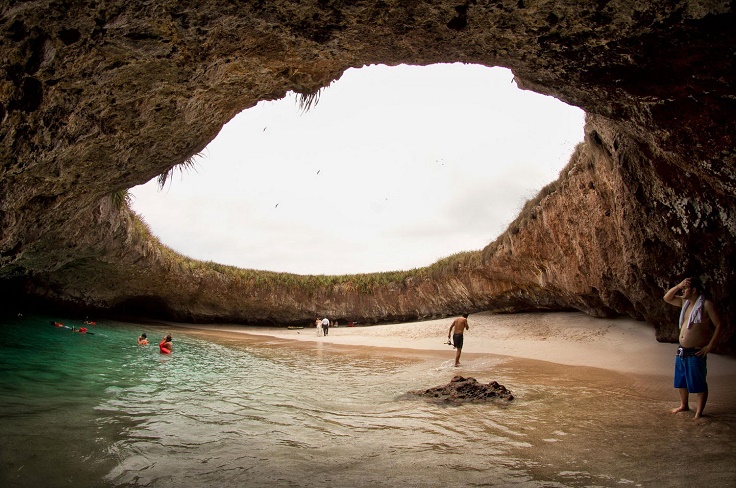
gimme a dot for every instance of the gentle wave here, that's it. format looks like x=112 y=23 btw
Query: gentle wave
x=98 y=410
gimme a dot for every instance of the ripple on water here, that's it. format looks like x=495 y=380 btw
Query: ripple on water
x=233 y=412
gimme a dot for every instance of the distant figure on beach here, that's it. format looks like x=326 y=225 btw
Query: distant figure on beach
x=325 y=326
x=318 y=324
x=700 y=329
x=165 y=346
x=457 y=329
x=143 y=340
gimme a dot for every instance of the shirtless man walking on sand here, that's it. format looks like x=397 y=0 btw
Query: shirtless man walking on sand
x=459 y=325
x=700 y=328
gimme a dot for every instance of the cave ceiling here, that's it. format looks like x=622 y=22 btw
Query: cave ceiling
x=97 y=97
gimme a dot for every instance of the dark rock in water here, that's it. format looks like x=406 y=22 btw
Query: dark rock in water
x=466 y=390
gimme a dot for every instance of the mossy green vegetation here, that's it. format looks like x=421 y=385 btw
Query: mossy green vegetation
x=361 y=284
x=122 y=199
x=187 y=165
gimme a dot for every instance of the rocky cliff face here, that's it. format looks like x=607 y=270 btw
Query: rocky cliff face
x=97 y=98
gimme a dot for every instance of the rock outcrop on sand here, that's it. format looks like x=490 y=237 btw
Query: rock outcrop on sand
x=461 y=390
x=96 y=98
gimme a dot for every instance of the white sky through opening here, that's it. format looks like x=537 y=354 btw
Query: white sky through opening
x=394 y=168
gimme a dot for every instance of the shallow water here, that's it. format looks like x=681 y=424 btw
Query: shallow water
x=97 y=410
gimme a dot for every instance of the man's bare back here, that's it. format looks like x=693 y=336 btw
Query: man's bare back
x=457 y=328
x=459 y=325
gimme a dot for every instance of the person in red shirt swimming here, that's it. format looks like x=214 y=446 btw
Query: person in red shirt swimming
x=165 y=346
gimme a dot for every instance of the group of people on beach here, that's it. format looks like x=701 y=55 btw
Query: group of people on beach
x=323 y=326
x=699 y=325
x=700 y=330
x=457 y=329
x=166 y=346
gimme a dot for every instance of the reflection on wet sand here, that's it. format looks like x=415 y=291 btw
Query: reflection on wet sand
x=228 y=408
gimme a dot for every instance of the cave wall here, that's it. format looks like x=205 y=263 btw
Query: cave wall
x=98 y=97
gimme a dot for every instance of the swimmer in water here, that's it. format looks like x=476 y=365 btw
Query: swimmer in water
x=143 y=340
x=81 y=330
x=165 y=346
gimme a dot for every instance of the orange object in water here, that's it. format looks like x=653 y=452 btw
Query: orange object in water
x=163 y=349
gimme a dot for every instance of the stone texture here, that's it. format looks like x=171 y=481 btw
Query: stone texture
x=98 y=97
x=463 y=390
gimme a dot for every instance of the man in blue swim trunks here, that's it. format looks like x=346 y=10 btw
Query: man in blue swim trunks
x=700 y=328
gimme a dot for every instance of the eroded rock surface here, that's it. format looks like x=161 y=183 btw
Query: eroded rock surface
x=98 y=97
x=461 y=390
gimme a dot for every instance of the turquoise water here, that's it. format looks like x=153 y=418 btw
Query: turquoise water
x=97 y=410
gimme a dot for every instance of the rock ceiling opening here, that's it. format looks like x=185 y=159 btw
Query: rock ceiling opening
x=394 y=168
x=109 y=99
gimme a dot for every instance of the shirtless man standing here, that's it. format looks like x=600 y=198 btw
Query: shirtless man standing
x=700 y=328
x=459 y=325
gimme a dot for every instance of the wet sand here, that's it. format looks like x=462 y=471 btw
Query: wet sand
x=534 y=340
x=592 y=397
x=568 y=338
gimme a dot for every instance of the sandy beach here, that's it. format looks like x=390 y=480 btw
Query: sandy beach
x=285 y=407
x=567 y=338
x=619 y=354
